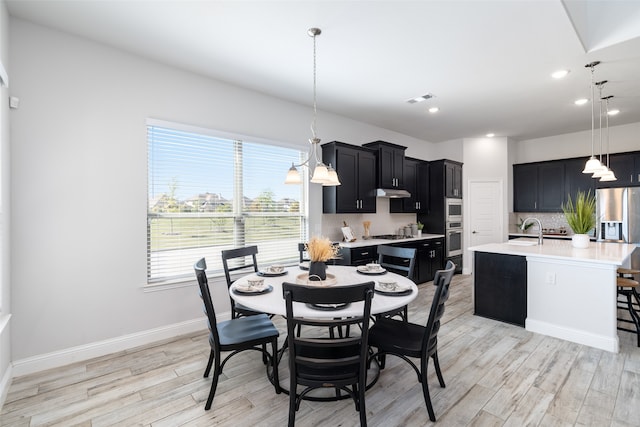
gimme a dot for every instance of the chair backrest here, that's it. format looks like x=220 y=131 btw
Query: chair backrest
x=330 y=355
x=442 y=280
x=200 y=268
x=397 y=259
x=302 y=250
x=229 y=254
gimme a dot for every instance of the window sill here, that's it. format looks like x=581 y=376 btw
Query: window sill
x=177 y=284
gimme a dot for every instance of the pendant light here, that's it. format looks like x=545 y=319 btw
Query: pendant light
x=609 y=175
x=603 y=169
x=322 y=174
x=593 y=164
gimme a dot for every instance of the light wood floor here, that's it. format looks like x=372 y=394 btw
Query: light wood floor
x=496 y=375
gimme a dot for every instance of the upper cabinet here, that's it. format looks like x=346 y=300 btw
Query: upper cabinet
x=416 y=180
x=626 y=167
x=390 y=164
x=356 y=168
x=539 y=187
x=575 y=180
x=446 y=177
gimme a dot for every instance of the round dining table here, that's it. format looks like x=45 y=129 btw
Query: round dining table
x=272 y=301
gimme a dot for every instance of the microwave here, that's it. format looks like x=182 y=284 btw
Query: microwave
x=453 y=210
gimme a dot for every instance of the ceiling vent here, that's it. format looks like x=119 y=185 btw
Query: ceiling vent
x=420 y=98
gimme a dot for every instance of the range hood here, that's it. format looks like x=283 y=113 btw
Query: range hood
x=392 y=193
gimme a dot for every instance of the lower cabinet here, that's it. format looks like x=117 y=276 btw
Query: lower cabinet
x=358 y=256
x=500 y=287
x=429 y=258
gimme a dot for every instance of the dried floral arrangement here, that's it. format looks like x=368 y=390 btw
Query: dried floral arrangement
x=321 y=249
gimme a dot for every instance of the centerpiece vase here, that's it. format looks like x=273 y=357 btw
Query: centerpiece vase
x=317 y=271
x=580 y=241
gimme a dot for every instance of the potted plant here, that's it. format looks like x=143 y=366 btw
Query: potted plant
x=320 y=250
x=580 y=215
x=420 y=227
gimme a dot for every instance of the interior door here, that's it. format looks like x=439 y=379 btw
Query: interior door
x=485 y=212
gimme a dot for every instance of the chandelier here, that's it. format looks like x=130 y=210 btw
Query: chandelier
x=593 y=164
x=322 y=174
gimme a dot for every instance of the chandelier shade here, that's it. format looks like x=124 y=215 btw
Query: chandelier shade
x=593 y=164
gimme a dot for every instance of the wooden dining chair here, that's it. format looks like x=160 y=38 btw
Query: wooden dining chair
x=318 y=360
x=235 y=260
x=235 y=335
x=409 y=340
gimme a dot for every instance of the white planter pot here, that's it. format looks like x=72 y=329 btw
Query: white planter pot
x=419 y=233
x=580 y=241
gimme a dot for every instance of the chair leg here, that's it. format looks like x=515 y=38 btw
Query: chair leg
x=214 y=384
x=427 y=396
x=436 y=364
x=362 y=407
x=292 y=404
x=265 y=360
x=208 y=368
x=274 y=366
x=634 y=316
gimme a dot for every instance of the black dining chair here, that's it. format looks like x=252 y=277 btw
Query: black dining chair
x=244 y=259
x=235 y=335
x=317 y=360
x=401 y=261
x=409 y=340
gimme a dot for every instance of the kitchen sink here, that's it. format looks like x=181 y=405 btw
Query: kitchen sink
x=522 y=242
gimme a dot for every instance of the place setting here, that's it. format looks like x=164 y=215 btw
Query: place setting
x=252 y=286
x=275 y=270
x=372 y=269
x=392 y=288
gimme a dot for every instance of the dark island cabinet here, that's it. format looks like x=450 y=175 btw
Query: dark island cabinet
x=416 y=179
x=356 y=168
x=390 y=164
x=500 y=287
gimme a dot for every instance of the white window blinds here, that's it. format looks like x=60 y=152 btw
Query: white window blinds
x=207 y=194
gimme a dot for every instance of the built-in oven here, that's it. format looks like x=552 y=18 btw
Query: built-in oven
x=453 y=210
x=453 y=238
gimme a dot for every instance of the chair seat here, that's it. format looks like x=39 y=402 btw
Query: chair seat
x=623 y=282
x=244 y=331
x=397 y=336
x=622 y=270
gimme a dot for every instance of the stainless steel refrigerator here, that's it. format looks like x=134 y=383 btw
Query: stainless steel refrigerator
x=618 y=214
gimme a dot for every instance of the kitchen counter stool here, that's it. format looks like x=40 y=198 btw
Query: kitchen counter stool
x=628 y=288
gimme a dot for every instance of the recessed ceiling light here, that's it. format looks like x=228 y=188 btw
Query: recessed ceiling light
x=614 y=112
x=559 y=74
x=581 y=101
x=436 y=109
x=491 y=135
x=420 y=98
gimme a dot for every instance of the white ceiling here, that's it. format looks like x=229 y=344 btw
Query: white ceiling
x=488 y=63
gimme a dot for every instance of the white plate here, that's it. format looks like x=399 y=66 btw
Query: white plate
x=364 y=270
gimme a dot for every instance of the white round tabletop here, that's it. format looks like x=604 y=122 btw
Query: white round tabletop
x=273 y=302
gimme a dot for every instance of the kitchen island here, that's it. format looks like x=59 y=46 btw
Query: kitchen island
x=568 y=293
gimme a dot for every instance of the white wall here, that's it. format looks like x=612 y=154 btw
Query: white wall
x=5 y=218
x=79 y=182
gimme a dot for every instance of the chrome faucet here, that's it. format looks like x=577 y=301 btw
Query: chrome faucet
x=524 y=223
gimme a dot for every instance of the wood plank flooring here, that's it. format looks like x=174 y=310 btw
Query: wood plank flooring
x=496 y=375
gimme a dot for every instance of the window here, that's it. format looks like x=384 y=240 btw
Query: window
x=208 y=192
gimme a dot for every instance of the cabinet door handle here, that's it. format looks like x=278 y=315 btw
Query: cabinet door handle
x=364 y=253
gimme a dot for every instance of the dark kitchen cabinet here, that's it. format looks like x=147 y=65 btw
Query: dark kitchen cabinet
x=356 y=168
x=416 y=179
x=626 y=167
x=445 y=179
x=430 y=258
x=539 y=187
x=358 y=256
x=500 y=287
x=575 y=180
x=390 y=164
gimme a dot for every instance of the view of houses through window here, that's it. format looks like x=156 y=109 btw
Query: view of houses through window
x=207 y=193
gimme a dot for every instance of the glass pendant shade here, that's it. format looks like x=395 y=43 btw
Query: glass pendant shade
x=593 y=165
x=320 y=174
x=609 y=176
x=333 y=178
x=293 y=176
x=603 y=170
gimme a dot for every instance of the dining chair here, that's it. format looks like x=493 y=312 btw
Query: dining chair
x=317 y=360
x=235 y=335
x=409 y=340
x=401 y=261
x=244 y=259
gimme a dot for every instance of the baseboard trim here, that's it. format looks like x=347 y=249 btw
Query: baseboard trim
x=578 y=336
x=101 y=348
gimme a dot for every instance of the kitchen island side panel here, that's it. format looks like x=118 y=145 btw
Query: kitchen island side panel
x=500 y=287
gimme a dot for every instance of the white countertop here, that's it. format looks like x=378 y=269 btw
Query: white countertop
x=597 y=252
x=374 y=242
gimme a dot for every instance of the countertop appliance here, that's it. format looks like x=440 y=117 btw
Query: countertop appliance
x=618 y=214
